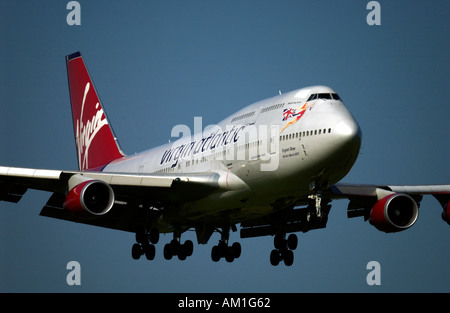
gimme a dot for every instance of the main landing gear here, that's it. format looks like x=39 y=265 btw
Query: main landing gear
x=223 y=250
x=145 y=242
x=283 y=249
x=176 y=248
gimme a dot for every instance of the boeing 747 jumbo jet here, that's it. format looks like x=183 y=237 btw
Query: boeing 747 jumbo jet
x=272 y=168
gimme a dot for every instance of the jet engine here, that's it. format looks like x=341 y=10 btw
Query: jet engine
x=89 y=199
x=394 y=213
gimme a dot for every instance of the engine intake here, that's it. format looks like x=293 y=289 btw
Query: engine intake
x=89 y=199
x=394 y=213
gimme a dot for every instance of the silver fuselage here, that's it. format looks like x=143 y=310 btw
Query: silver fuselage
x=268 y=155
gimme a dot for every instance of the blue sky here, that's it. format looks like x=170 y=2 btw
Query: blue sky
x=157 y=64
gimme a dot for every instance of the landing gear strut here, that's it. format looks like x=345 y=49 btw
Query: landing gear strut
x=223 y=250
x=145 y=242
x=283 y=249
x=315 y=211
x=318 y=209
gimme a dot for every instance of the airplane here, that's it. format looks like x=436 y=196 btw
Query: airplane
x=270 y=169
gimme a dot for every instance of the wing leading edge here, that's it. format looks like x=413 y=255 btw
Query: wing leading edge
x=366 y=199
x=131 y=192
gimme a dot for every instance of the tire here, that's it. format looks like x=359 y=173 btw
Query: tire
x=215 y=254
x=288 y=257
x=181 y=253
x=150 y=252
x=278 y=241
x=229 y=254
x=292 y=242
x=168 y=252
x=140 y=237
x=136 y=251
x=188 y=247
x=222 y=249
x=275 y=257
x=154 y=236
x=236 y=250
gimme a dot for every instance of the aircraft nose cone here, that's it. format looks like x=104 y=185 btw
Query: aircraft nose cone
x=348 y=128
x=350 y=132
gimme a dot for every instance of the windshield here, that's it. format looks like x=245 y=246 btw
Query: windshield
x=324 y=96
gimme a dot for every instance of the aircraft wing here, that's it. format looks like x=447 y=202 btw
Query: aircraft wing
x=389 y=208
x=371 y=190
x=162 y=189
x=375 y=192
x=363 y=198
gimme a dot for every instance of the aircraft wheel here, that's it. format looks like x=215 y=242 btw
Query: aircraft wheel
x=150 y=252
x=136 y=251
x=288 y=257
x=168 y=254
x=278 y=241
x=154 y=236
x=188 y=247
x=236 y=249
x=275 y=257
x=292 y=241
x=182 y=255
x=222 y=249
x=140 y=237
x=229 y=254
x=215 y=254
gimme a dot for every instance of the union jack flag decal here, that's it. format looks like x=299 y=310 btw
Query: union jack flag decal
x=288 y=113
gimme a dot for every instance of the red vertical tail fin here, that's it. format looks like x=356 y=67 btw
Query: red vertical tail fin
x=94 y=137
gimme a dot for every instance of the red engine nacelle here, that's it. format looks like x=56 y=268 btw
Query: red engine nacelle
x=89 y=199
x=394 y=213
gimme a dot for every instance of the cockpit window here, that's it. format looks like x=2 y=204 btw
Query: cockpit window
x=312 y=97
x=325 y=96
x=335 y=96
